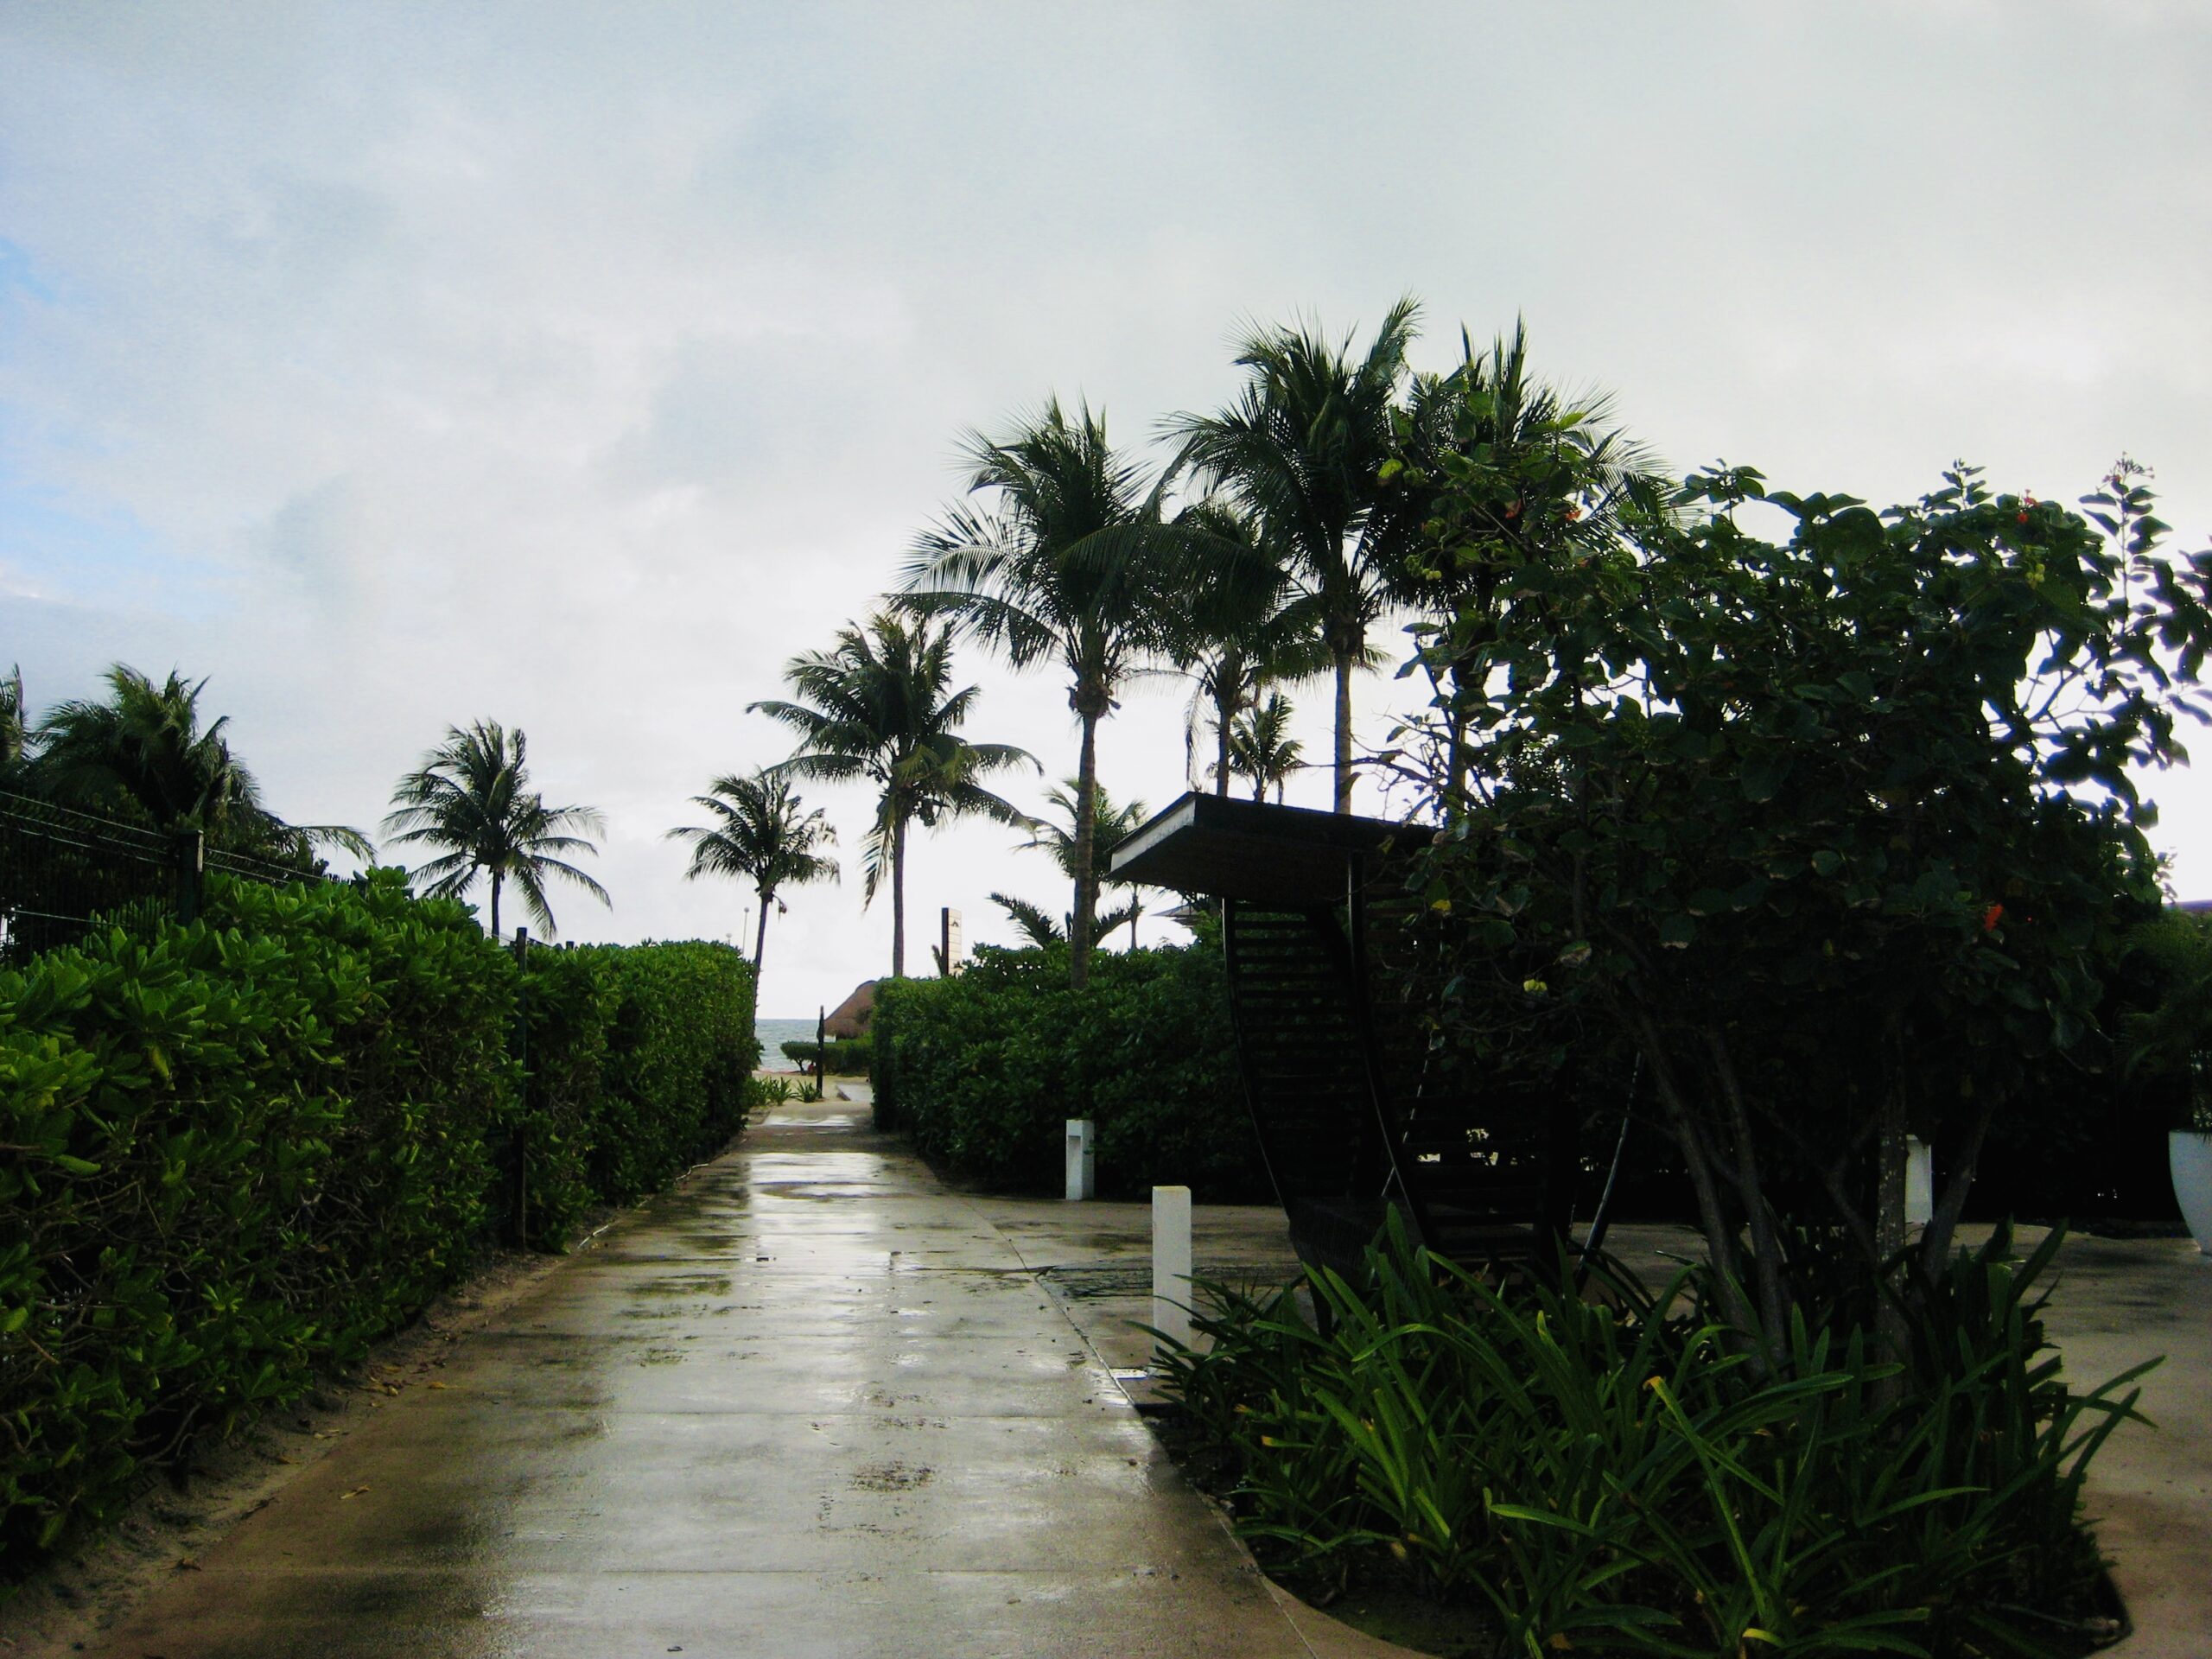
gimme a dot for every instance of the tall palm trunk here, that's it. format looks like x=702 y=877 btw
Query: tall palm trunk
x=761 y=936
x=1086 y=833
x=497 y=875
x=899 y=897
x=1344 y=729
x=1224 y=712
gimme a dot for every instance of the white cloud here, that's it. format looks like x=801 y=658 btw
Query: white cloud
x=576 y=367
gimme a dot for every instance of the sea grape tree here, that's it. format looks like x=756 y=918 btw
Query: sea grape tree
x=1836 y=832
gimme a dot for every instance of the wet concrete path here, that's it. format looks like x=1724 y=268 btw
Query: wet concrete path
x=811 y=1404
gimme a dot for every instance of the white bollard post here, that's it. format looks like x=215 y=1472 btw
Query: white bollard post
x=1082 y=1161
x=1919 y=1182
x=1171 y=1261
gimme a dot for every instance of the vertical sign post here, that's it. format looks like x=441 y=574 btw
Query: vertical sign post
x=1171 y=1263
x=1082 y=1161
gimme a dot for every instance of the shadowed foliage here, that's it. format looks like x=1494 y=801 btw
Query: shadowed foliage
x=143 y=748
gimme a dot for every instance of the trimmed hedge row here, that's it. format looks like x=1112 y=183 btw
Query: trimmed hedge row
x=680 y=1051
x=849 y=1056
x=235 y=1152
x=983 y=1069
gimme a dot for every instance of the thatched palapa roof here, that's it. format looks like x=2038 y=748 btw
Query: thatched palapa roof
x=850 y=1017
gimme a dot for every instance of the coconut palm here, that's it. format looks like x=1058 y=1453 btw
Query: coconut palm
x=471 y=797
x=12 y=730
x=1041 y=930
x=1538 y=476
x=1308 y=449
x=1262 y=748
x=1065 y=561
x=1111 y=822
x=763 y=835
x=878 y=706
x=144 y=745
x=1238 y=632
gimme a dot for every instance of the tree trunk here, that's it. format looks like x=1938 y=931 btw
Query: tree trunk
x=1344 y=729
x=1455 y=775
x=1935 y=1240
x=1086 y=833
x=899 y=898
x=1224 y=712
x=497 y=876
x=1889 y=1239
x=760 y=937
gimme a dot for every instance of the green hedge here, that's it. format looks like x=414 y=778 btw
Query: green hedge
x=234 y=1152
x=680 y=1051
x=983 y=1069
x=849 y=1056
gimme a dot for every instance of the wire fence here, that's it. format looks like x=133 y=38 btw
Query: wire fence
x=63 y=873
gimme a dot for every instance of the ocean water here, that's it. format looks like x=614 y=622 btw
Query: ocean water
x=774 y=1033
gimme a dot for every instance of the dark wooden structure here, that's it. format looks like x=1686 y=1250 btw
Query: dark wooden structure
x=1355 y=1108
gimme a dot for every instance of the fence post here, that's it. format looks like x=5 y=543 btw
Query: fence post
x=821 y=1050
x=191 y=862
x=521 y=1058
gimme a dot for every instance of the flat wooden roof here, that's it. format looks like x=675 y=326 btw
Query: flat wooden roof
x=1288 y=856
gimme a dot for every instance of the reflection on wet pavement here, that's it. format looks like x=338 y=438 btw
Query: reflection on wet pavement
x=810 y=1403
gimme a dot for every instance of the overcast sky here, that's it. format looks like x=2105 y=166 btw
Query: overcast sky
x=575 y=367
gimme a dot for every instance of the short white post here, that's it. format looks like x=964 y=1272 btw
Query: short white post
x=1171 y=1263
x=1919 y=1182
x=1082 y=1161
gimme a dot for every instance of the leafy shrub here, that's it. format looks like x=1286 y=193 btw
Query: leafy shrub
x=569 y=1005
x=849 y=1056
x=1623 y=1473
x=234 y=1152
x=984 y=1069
x=680 y=1047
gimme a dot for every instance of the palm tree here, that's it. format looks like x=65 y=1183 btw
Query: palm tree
x=762 y=835
x=144 y=745
x=877 y=706
x=472 y=797
x=1111 y=822
x=1539 y=477
x=1262 y=748
x=1040 y=929
x=1307 y=448
x=12 y=730
x=1239 y=633
x=1067 y=564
